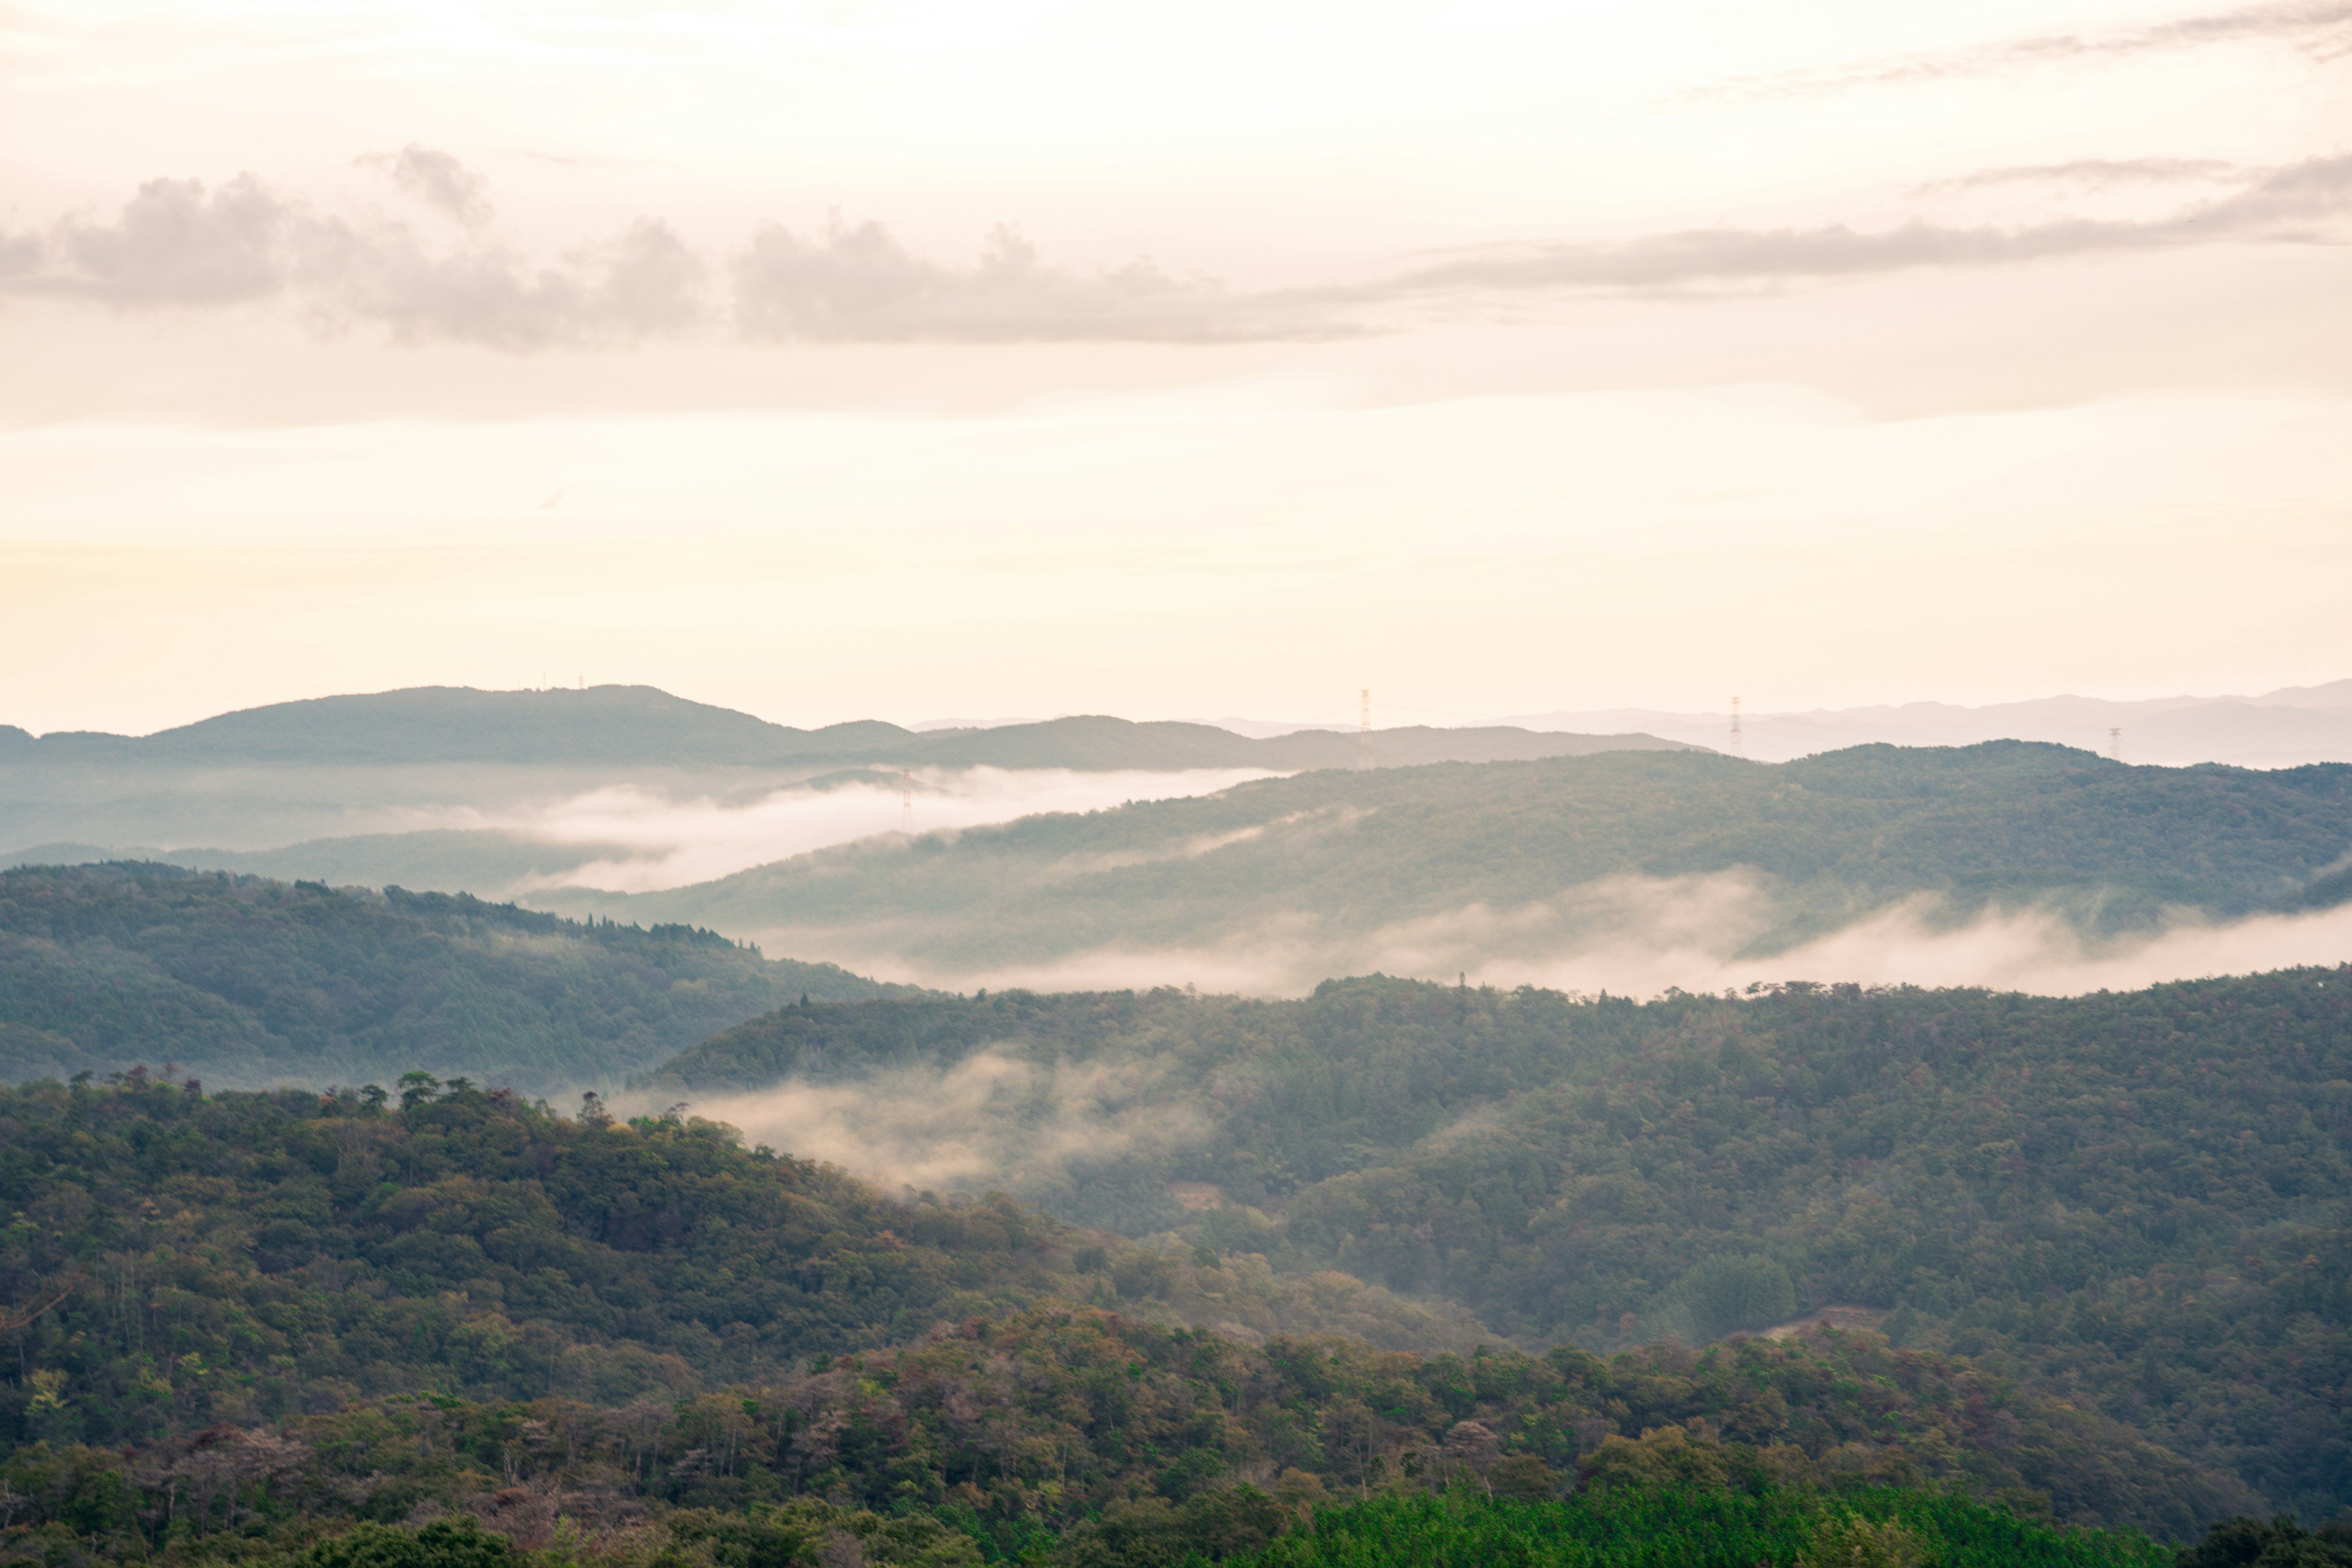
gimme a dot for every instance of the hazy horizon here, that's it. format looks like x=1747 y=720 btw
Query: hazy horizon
x=2323 y=694
x=888 y=356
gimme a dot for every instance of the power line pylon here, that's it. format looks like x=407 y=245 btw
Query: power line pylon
x=906 y=801
x=2115 y=743
x=1739 y=738
x=1364 y=733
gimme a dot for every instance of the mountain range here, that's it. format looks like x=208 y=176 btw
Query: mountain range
x=2286 y=727
x=641 y=726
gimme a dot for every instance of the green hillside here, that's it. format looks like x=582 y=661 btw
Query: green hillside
x=238 y=981
x=250 y=1319
x=1328 y=862
x=2144 y=1199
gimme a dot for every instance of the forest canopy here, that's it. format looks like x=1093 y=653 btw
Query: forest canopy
x=2139 y=1198
x=259 y=1311
x=243 y=982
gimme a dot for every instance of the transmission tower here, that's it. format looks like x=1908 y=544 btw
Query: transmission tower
x=2115 y=743
x=1738 y=738
x=1364 y=733
x=906 y=801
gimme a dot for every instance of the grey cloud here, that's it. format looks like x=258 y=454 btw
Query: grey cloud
x=175 y=243
x=859 y=283
x=21 y=257
x=2321 y=27
x=2097 y=173
x=2287 y=204
x=643 y=282
x=439 y=181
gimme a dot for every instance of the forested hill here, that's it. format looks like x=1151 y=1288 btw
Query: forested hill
x=262 y=1314
x=1527 y=858
x=239 y=981
x=2143 y=1199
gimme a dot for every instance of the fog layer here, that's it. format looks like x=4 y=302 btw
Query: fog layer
x=1640 y=936
x=673 y=843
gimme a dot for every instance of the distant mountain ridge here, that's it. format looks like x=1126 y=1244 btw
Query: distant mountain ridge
x=2289 y=727
x=641 y=725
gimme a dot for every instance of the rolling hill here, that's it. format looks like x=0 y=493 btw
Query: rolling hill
x=267 y=1317
x=1435 y=868
x=2140 y=1200
x=238 y=981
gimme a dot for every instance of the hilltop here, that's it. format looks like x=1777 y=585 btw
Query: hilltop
x=240 y=981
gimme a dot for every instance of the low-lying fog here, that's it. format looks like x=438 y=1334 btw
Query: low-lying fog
x=994 y=1119
x=673 y=843
x=1637 y=937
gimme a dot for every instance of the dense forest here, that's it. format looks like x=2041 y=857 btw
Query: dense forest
x=249 y=1320
x=241 y=982
x=1395 y=1272
x=1336 y=865
x=2137 y=1199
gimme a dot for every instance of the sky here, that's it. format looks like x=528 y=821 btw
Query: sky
x=868 y=358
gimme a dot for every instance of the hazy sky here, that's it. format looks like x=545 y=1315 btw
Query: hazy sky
x=902 y=359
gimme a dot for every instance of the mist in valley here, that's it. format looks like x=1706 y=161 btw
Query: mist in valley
x=1020 y=1118
x=1631 y=938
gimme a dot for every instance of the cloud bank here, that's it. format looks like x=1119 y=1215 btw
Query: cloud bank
x=1640 y=936
x=2285 y=204
x=2322 y=29
x=177 y=244
x=180 y=244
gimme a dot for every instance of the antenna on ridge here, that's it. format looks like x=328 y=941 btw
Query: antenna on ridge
x=2115 y=743
x=907 y=801
x=1364 y=734
x=1738 y=738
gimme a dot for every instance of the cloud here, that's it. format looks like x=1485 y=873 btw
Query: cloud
x=173 y=243
x=2320 y=27
x=643 y=282
x=859 y=283
x=2285 y=204
x=439 y=181
x=2098 y=175
x=178 y=244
